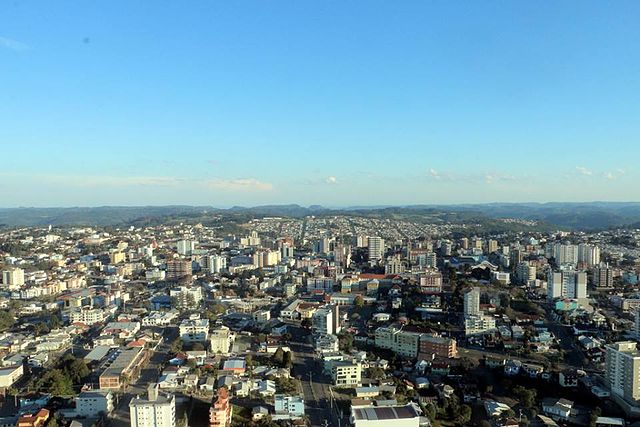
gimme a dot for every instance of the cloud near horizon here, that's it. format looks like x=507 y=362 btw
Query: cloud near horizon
x=103 y=181
x=242 y=184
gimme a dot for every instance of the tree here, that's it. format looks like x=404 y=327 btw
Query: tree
x=594 y=416
x=527 y=397
x=198 y=347
x=76 y=369
x=278 y=357
x=345 y=342
x=6 y=320
x=464 y=414
x=358 y=302
x=56 y=383
x=377 y=373
x=176 y=345
x=430 y=411
x=287 y=360
x=54 y=321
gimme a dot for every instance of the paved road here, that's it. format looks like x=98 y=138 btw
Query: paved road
x=120 y=416
x=316 y=387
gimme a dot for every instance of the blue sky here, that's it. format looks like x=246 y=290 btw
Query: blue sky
x=318 y=102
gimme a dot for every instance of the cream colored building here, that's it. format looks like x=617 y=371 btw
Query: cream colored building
x=622 y=370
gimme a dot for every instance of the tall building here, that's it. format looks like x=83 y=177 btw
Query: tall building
x=525 y=272
x=445 y=248
x=342 y=254
x=286 y=251
x=186 y=247
x=376 y=248
x=154 y=411
x=475 y=321
x=464 y=243
x=492 y=246
x=589 y=255
x=326 y=320
x=178 y=268
x=213 y=263
x=622 y=370
x=394 y=265
x=472 y=302
x=221 y=412
x=567 y=284
x=13 y=277
x=563 y=254
x=603 y=277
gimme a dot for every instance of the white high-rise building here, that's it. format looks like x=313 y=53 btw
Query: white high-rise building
x=567 y=284
x=213 y=263
x=13 y=277
x=525 y=272
x=376 y=248
x=622 y=370
x=563 y=254
x=472 y=302
x=186 y=247
x=588 y=254
x=154 y=411
x=326 y=320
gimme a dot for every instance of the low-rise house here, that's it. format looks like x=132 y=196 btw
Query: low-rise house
x=568 y=378
x=532 y=370
x=495 y=409
x=558 y=409
x=266 y=388
x=9 y=375
x=288 y=407
x=234 y=366
x=512 y=367
x=259 y=412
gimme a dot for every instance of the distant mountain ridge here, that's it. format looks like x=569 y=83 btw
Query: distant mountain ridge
x=579 y=216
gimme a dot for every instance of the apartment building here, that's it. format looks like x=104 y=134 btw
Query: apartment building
x=194 y=330
x=395 y=339
x=622 y=370
x=439 y=346
x=346 y=374
x=154 y=411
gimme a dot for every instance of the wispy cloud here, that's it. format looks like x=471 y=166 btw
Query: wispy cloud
x=14 y=45
x=492 y=177
x=242 y=184
x=471 y=178
x=583 y=171
x=105 y=181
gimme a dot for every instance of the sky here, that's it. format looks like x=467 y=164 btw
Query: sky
x=336 y=103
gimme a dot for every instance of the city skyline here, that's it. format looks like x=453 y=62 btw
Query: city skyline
x=330 y=103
